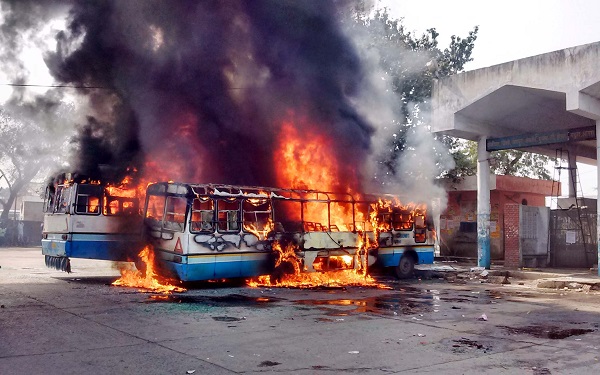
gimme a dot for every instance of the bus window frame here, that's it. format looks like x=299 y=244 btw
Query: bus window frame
x=60 y=205
x=121 y=211
x=172 y=225
x=402 y=227
x=49 y=200
x=256 y=222
x=206 y=226
x=384 y=221
x=228 y=221
x=79 y=194
x=420 y=229
x=155 y=223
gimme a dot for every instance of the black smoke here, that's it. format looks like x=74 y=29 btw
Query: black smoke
x=209 y=83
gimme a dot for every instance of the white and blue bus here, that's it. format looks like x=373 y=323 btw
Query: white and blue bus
x=84 y=219
x=210 y=231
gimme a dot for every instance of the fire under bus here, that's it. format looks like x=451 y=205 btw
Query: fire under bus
x=207 y=231
x=86 y=219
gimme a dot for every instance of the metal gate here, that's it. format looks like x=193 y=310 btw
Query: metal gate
x=533 y=223
x=573 y=242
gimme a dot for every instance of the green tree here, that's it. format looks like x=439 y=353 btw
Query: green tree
x=31 y=144
x=414 y=62
x=520 y=163
x=505 y=162
x=19 y=164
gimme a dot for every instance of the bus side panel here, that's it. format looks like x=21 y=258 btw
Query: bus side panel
x=198 y=267
x=104 y=247
x=55 y=246
x=211 y=256
x=228 y=265
x=390 y=256
x=181 y=258
x=256 y=264
x=426 y=254
x=192 y=268
x=208 y=266
x=330 y=240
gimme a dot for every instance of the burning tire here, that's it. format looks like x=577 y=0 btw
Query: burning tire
x=406 y=267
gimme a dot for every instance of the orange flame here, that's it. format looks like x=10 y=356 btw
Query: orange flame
x=150 y=280
x=307 y=162
x=288 y=262
x=260 y=233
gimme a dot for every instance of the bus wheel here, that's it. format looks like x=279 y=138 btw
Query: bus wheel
x=405 y=268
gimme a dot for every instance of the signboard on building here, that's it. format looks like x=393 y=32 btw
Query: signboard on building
x=540 y=139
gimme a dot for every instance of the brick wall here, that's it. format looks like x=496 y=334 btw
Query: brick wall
x=512 y=249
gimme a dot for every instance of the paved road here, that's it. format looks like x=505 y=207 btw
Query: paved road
x=57 y=323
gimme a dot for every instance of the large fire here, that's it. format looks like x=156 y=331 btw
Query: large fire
x=148 y=280
x=291 y=274
x=303 y=162
x=306 y=162
x=126 y=196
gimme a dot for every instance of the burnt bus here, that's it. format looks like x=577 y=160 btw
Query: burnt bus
x=209 y=231
x=86 y=219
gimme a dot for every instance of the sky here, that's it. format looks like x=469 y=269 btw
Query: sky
x=508 y=30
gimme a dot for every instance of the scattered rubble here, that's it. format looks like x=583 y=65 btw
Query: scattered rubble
x=569 y=284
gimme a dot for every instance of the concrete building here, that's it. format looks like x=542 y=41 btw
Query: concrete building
x=458 y=224
x=547 y=104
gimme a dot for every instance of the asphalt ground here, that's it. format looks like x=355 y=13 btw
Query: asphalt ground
x=462 y=323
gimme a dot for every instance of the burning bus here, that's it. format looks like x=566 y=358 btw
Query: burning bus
x=210 y=231
x=207 y=231
x=86 y=219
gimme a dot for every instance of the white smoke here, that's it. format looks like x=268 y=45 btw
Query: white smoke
x=424 y=158
x=38 y=119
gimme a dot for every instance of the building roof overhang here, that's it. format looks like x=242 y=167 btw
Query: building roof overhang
x=556 y=91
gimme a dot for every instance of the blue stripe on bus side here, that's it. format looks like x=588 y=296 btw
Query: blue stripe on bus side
x=94 y=246
x=390 y=256
x=219 y=266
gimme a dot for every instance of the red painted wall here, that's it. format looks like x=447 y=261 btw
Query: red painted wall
x=458 y=231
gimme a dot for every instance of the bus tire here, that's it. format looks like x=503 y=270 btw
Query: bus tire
x=406 y=267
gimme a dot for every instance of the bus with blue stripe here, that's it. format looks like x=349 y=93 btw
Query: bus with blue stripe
x=85 y=219
x=210 y=231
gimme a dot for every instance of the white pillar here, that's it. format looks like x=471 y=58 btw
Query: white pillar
x=483 y=205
